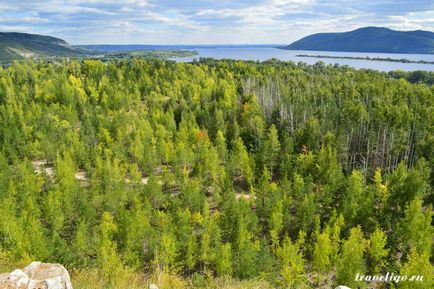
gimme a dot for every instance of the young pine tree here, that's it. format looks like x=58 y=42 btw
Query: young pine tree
x=107 y=258
x=292 y=270
x=223 y=261
x=276 y=224
x=322 y=251
x=167 y=254
x=353 y=197
x=377 y=252
x=415 y=228
x=417 y=264
x=271 y=150
x=351 y=260
x=246 y=253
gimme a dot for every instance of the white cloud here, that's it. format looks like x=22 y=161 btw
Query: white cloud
x=412 y=21
x=207 y=21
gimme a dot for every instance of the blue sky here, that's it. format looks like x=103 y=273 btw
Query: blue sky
x=207 y=21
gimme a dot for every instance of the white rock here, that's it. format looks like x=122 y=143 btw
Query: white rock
x=342 y=287
x=16 y=279
x=153 y=286
x=37 y=275
x=21 y=278
x=55 y=276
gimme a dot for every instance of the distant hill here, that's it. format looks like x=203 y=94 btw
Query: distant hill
x=14 y=45
x=369 y=39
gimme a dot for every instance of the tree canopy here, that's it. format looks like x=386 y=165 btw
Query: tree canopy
x=224 y=168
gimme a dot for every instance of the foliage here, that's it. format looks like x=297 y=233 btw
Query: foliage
x=213 y=168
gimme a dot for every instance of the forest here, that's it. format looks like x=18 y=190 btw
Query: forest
x=264 y=174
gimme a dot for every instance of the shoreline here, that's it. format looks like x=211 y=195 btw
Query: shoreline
x=367 y=58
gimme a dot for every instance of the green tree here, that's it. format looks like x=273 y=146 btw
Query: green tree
x=107 y=258
x=245 y=254
x=242 y=163
x=351 y=259
x=335 y=224
x=353 y=199
x=415 y=228
x=322 y=251
x=292 y=268
x=276 y=224
x=82 y=246
x=419 y=270
x=377 y=252
x=167 y=253
x=271 y=150
x=306 y=212
x=224 y=260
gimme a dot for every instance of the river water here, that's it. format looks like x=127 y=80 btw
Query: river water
x=265 y=53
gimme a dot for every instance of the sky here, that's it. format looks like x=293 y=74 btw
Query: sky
x=207 y=21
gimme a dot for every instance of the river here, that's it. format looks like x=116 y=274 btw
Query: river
x=261 y=53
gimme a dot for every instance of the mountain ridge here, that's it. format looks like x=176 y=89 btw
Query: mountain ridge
x=369 y=39
x=16 y=45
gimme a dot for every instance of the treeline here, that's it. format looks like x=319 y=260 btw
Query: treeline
x=418 y=76
x=300 y=175
x=367 y=58
x=104 y=56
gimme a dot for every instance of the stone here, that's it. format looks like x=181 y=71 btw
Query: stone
x=153 y=286
x=37 y=276
x=14 y=280
x=342 y=287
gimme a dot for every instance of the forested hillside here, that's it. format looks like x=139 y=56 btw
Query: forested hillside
x=298 y=176
x=369 y=39
x=14 y=45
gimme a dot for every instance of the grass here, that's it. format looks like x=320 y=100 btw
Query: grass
x=90 y=279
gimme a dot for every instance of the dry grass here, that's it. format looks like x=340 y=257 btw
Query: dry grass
x=229 y=283
x=90 y=279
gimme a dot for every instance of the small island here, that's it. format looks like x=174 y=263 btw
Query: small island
x=388 y=59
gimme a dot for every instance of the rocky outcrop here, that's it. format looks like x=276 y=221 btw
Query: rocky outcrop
x=37 y=276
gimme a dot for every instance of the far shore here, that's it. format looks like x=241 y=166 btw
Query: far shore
x=388 y=59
